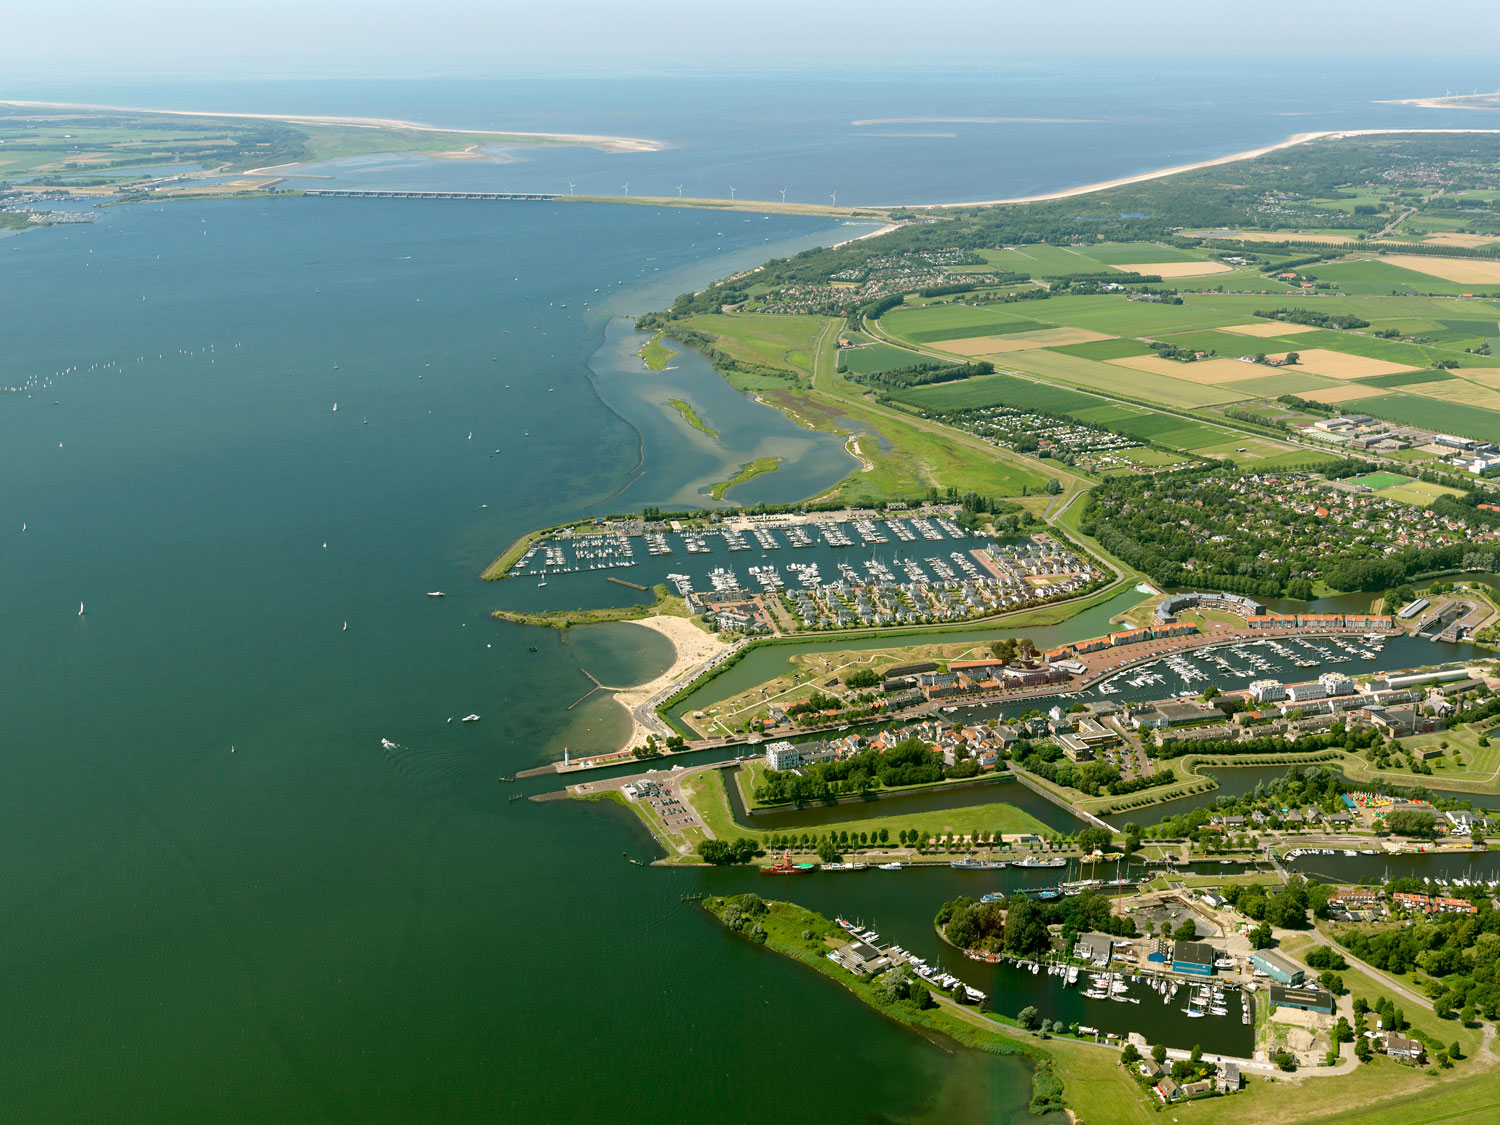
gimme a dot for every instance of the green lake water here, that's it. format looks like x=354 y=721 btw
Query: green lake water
x=224 y=897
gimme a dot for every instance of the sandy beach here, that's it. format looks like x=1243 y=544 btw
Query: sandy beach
x=694 y=647
x=608 y=144
x=1160 y=173
x=1449 y=101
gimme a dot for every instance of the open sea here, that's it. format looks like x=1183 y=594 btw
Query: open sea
x=225 y=898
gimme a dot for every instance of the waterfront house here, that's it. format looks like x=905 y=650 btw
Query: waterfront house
x=782 y=756
x=861 y=959
x=1197 y=1089
x=1228 y=1078
x=1277 y=967
x=1094 y=948
x=1310 y=999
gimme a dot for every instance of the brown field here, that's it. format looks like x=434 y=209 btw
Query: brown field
x=1339 y=365
x=1487 y=376
x=1176 y=269
x=1453 y=238
x=1206 y=372
x=1021 y=341
x=1275 y=236
x=1268 y=328
x=1462 y=270
x=1456 y=390
x=1341 y=394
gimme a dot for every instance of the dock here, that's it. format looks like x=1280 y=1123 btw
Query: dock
x=622 y=582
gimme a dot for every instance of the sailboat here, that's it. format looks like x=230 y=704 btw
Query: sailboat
x=80 y=609
x=346 y=626
x=335 y=408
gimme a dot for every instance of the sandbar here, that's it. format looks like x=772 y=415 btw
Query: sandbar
x=609 y=144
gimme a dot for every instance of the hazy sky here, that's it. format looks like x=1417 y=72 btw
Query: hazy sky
x=308 y=37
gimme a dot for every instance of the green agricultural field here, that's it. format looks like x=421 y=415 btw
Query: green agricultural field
x=997 y=390
x=1117 y=315
x=1041 y=260
x=1391 y=351
x=1407 y=379
x=1382 y=479
x=1149 y=425
x=1434 y=414
x=937 y=323
x=1104 y=349
x=1382 y=312
x=875 y=358
x=1122 y=381
x=1230 y=345
x=1373 y=277
x=1270 y=386
x=775 y=341
x=1134 y=253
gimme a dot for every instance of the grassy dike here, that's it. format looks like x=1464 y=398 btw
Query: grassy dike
x=1086 y=1079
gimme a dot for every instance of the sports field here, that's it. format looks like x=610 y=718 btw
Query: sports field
x=1419 y=492
x=1382 y=479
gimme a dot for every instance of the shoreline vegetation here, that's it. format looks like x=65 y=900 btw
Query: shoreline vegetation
x=690 y=416
x=655 y=354
x=748 y=471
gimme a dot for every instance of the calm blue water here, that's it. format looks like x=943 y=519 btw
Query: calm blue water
x=890 y=138
x=221 y=889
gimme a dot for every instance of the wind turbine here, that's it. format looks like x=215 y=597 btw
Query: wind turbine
x=571 y=186
x=783 y=195
x=731 y=193
x=835 y=199
x=679 y=191
x=627 y=189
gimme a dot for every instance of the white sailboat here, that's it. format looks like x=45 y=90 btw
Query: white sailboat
x=80 y=609
x=335 y=408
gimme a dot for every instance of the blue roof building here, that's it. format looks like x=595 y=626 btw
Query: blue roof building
x=1194 y=957
x=1277 y=967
